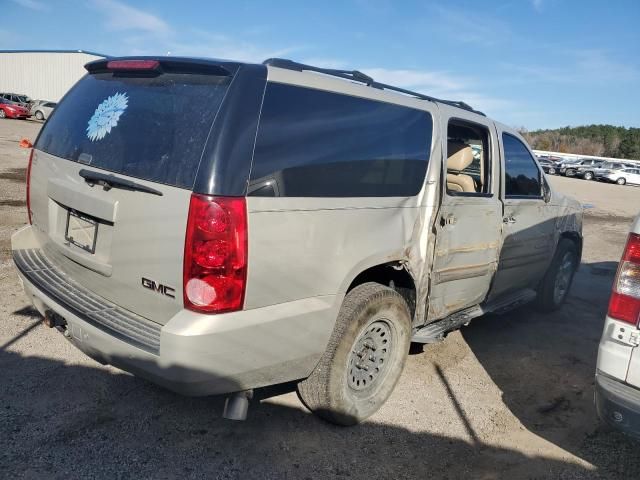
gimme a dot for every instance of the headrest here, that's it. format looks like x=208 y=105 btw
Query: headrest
x=460 y=156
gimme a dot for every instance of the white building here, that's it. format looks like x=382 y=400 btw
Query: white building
x=42 y=74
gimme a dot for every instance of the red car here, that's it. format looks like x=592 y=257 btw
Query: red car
x=12 y=110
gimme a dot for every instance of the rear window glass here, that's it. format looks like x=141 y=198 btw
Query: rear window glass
x=153 y=128
x=322 y=144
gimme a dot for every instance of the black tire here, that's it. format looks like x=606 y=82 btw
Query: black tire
x=39 y=115
x=588 y=175
x=552 y=171
x=621 y=181
x=550 y=294
x=374 y=323
x=570 y=172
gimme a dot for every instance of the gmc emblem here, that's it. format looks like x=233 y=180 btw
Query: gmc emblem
x=158 y=287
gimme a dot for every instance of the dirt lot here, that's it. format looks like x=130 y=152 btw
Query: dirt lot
x=507 y=397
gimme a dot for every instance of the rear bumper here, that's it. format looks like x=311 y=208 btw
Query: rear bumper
x=195 y=354
x=618 y=404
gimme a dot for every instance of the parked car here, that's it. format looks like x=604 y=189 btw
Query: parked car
x=548 y=166
x=39 y=102
x=606 y=168
x=564 y=164
x=618 y=368
x=214 y=254
x=622 y=176
x=12 y=110
x=572 y=169
x=586 y=171
x=43 y=110
x=22 y=100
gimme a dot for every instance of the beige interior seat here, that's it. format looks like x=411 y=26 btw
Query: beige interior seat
x=460 y=157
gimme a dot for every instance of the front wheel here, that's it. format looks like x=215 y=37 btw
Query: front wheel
x=570 y=173
x=588 y=176
x=39 y=115
x=2 y=114
x=552 y=171
x=557 y=281
x=621 y=181
x=364 y=359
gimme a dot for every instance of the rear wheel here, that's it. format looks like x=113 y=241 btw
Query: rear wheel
x=570 y=172
x=39 y=115
x=588 y=176
x=552 y=171
x=557 y=281
x=2 y=114
x=621 y=181
x=364 y=358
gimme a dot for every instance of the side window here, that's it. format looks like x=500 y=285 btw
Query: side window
x=522 y=176
x=468 y=159
x=313 y=143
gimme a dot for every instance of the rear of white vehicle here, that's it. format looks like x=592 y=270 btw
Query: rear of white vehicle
x=618 y=368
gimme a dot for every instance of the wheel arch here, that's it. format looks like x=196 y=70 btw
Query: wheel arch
x=574 y=237
x=392 y=274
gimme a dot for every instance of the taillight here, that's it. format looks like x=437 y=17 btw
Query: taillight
x=29 y=186
x=625 y=298
x=215 y=254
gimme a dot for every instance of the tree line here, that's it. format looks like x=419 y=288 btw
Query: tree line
x=597 y=140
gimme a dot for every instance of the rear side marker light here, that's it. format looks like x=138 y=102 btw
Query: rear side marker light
x=215 y=255
x=625 y=298
x=133 y=64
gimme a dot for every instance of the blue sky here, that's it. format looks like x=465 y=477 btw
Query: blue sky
x=532 y=63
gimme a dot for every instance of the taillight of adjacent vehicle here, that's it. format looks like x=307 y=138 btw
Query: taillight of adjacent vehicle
x=29 y=185
x=215 y=254
x=625 y=298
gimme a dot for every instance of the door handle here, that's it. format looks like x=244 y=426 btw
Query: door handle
x=450 y=220
x=509 y=219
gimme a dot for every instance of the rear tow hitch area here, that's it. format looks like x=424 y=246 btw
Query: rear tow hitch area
x=236 y=405
x=52 y=319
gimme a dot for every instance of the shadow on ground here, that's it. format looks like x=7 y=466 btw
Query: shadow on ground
x=109 y=425
x=524 y=350
x=70 y=421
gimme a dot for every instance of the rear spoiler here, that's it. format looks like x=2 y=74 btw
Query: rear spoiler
x=159 y=65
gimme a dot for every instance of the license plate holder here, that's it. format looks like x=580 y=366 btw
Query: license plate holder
x=81 y=231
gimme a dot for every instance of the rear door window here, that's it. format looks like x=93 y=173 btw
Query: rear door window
x=522 y=176
x=313 y=143
x=150 y=127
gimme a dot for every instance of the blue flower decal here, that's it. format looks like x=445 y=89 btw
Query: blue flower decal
x=107 y=116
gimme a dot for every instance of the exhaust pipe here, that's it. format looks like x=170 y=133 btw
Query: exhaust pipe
x=236 y=405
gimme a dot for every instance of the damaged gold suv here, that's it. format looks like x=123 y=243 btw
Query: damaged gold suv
x=303 y=225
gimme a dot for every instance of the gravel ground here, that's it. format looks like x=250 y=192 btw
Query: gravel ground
x=507 y=397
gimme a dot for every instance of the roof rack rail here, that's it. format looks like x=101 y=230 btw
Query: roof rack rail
x=357 y=76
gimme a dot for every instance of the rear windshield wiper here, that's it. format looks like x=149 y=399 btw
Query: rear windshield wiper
x=111 y=181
